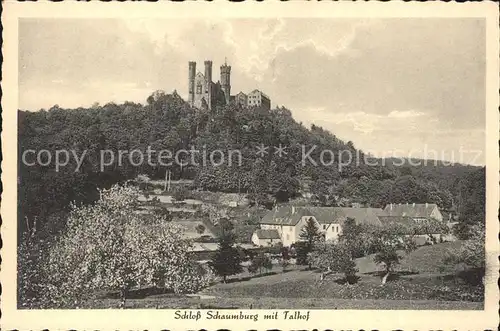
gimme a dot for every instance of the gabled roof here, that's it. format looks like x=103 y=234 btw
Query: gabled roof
x=289 y=215
x=338 y=215
x=396 y=219
x=411 y=210
x=285 y=215
x=267 y=234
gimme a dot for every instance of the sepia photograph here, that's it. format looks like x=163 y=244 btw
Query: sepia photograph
x=252 y=168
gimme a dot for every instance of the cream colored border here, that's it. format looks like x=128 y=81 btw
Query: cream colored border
x=163 y=319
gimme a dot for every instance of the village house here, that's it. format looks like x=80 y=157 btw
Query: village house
x=418 y=213
x=414 y=211
x=265 y=238
x=287 y=221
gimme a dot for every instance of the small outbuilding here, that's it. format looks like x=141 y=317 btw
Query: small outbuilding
x=264 y=237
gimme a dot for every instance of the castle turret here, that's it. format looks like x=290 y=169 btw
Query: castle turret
x=208 y=73
x=208 y=83
x=192 y=73
x=225 y=81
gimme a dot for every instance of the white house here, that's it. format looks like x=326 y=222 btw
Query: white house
x=288 y=221
x=265 y=238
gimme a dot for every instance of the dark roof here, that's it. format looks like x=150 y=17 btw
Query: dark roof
x=267 y=234
x=327 y=215
x=285 y=215
x=396 y=219
x=411 y=210
x=289 y=215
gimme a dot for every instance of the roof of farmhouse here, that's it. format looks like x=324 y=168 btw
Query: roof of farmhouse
x=291 y=215
x=410 y=209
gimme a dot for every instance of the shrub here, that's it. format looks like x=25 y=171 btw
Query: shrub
x=260 y=261
x=200 y=228
x=181 y=194
x=336 y=258
x=472 y=254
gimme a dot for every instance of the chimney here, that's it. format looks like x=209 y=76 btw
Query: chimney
x=391 y=206
x=414 y=205
x=293 y=210
x=407 y=203
x=426 y=205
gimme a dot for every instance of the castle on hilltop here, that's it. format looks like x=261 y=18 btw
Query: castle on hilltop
x=205 y=94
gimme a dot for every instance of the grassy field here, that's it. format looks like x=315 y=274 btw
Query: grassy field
x=429 y=259
x=426 y=259
x=306 y=284
x=302 y=289
x=428 y=286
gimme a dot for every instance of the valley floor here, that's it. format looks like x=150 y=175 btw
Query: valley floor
x=419 y=283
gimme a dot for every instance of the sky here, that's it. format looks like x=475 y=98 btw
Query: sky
x=394 y=87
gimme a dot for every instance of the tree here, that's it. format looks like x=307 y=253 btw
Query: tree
x=260 y=261
x=301 y=252
x=472 y=254
x=227 y=259
x=311 y=235
x=107 y=246
x=335 y=257
x=200 y=228
x=310 y=232
x=352 y=239
x=164 y=213
x=471 y=203
x=143 y=181
x=388 y=256
x=388 y=241
x=285 y=258
x=181 y=193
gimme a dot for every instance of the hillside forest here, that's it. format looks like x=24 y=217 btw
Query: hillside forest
x=166 y=121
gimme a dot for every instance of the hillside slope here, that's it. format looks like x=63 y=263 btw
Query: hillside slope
x=168 y=123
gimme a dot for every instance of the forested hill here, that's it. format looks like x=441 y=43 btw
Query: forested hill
x=167 y=122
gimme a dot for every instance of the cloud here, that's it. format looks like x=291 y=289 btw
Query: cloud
x=370 y=81
x=404 y=113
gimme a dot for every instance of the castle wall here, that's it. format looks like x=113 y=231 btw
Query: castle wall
x=201 y=92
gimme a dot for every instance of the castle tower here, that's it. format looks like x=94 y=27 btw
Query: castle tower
x=208 y=83
x=192 y=73
x=225 y=81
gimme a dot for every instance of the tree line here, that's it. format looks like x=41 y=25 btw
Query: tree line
x=168 y=122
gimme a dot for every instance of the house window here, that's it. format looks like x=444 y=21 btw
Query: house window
x=198 y=89
x=324 y=226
